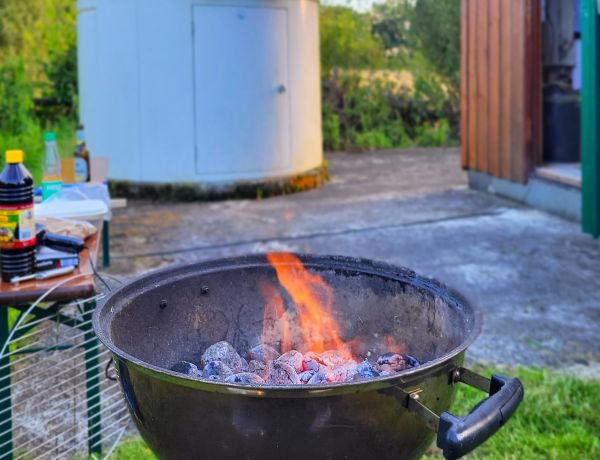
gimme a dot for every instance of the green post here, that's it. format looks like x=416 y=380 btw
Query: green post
x=590 y=117
x=105 y=245
x=5 y=396
x=92 y=382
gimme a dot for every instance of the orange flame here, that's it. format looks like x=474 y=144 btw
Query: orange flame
x=276 y=327
x=394 y=346
x=313 y=302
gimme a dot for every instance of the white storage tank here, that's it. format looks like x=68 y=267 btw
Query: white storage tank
x=209 y=92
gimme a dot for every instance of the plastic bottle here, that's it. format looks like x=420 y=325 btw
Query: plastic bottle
x=82 y=157
x=17 y=223
x=52 y=177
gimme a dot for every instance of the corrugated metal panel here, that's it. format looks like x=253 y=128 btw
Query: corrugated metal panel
x=501 y=87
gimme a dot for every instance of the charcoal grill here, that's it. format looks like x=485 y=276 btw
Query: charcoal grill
x=174 y=314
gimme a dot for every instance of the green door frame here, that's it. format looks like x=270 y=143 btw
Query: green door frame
x=590 y=117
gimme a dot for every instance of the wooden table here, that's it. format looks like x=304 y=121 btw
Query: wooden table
x=12 y=295
x=21 y=296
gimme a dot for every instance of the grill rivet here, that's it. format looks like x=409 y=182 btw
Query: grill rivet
x=204 y=290
x=163 y=304
x=456 y=376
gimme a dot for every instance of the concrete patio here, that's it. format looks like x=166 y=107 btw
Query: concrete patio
x=535 y=276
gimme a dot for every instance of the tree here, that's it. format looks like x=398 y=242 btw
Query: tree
x=436 y=25
x=392 y=23
x=36 y=31
x=347 y=41
x=38 y=44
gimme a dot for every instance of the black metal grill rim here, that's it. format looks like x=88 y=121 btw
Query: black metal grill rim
x=358 y=265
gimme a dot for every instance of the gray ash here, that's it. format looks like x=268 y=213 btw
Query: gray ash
x=263 y=353
x=186 y=368
x=260 y=368
x=292 y=358
x=222 y=362
x=224 y=352
x=283 y=374
x=246 y=378
x=216 y=369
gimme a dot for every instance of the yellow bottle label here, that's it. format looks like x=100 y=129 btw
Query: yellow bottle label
x=17 y=227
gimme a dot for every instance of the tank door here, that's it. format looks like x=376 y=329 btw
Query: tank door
x=242 y=102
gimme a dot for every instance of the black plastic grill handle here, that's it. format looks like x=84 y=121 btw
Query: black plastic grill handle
x=457 y=436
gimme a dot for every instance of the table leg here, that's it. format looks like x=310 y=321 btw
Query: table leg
x=105 y=244
x=5 y=396
x=92 y=382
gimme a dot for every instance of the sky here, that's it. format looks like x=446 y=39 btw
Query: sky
x=361 y=5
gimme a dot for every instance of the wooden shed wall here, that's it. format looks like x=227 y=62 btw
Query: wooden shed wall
x=501 y=87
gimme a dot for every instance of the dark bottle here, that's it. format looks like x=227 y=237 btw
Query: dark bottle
x=82 y=157
x=17 y=224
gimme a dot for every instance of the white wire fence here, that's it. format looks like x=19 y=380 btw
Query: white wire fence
x=56 y=398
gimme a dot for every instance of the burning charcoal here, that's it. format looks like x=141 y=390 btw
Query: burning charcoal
x=384 y=369
x=342 y=373
x=332 y=358
x=292 y=358
x=365 y=370
x=189 y=369
x=246 y=378
x=218 y=369
x=412 y=361
x=260 y=368
x=319 y=377
x=283 y=374
x=224 y=352
x=263 y=353
x=394 y=360
x=311 y=362
x=306 y=376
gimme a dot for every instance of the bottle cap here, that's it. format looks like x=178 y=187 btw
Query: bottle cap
x=50 y=136
x=14 y=156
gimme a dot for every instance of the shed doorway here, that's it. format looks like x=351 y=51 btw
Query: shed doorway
x=561 y=76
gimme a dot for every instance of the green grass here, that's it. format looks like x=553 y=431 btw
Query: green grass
x=133 y=449
x=558 y=419
x=31 y=141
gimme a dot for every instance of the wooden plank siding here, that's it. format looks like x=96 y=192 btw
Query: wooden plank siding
x=501 y=87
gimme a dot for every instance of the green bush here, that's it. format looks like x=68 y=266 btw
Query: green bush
x=15 y=98
x=433 y=135
x=365 y=110
x=372 y=113
x=60 y=96
x=331 y=129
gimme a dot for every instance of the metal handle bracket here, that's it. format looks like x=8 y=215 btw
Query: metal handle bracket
x=458 y=436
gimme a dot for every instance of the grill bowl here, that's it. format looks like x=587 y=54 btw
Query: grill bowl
x=180 y=417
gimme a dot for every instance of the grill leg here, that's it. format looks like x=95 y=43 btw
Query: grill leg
x=105 y=244
x=92 y=382
x=5 y=396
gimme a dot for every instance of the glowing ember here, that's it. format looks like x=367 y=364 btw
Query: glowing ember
x=394 y=346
